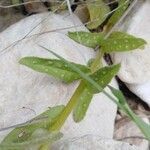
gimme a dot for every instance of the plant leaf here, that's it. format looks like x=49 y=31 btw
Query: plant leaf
x=24 y=133
x=35 y=142
x=117 y=93
x=122 y=6
x=53 y=67
x=103 y=76
x=82 y=105
x=145 y=128
x=98 y=11
x=120 y=35
x=119 y=42
x=86 y=38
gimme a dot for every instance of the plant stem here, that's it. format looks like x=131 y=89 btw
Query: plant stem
x=74 y=99
x=67 y=110
x=97 y=63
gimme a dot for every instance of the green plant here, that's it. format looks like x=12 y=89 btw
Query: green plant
x=94 y=79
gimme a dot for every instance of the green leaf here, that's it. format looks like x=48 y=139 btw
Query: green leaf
x=118 y=94
x=82 y=105
x=122 y=6
x=145 y=128
x=86 y=38
x=103 y=76
x=98 y=11
x=53 y=67
x=24 y=133
x=37 y=142
x=120 y=35
x=120 y=42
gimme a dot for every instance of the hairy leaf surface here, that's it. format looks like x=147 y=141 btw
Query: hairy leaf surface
x=86 y=38
x=53 y=67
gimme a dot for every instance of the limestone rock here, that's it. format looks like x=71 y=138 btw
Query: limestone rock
x=90 y=142
x=24 y=92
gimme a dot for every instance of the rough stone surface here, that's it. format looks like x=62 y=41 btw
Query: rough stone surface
x=126 y=128
x=135 y=64
x=24 y=92
x=90 y=142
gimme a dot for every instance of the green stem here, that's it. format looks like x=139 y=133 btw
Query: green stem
x=72 y=102
x=97 y=63
x=67 y=110
x=74 y=99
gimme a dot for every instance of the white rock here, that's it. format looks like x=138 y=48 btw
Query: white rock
x=22 y=87
x=89 y=142
x=135 y=65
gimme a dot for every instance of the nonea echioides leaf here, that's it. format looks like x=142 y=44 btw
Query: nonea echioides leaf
x=25 y=133
x=82 y=106
x=53 y=67
x=86 y=38
x=120 y=42
x=103 y=76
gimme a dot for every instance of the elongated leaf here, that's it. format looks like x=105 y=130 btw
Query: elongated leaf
x=103 y=76
x=24 y=133
x=120 y=35
x=53 y=67
x=145 y=128
x=82 y=105
x=121 y=45
x=98 y=11
x=86 y=38
x=119 y=42
x=37 y=142
x=118 y=94
x=122 y=6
